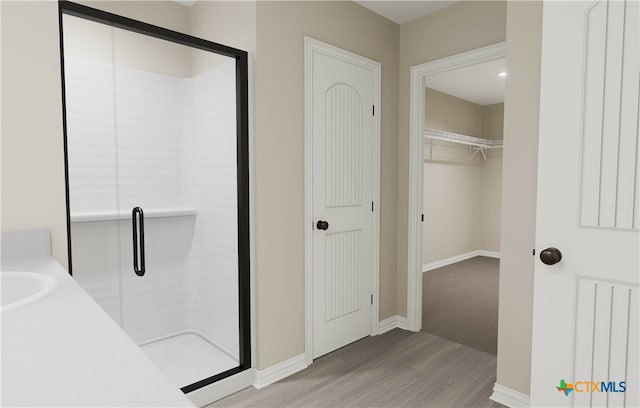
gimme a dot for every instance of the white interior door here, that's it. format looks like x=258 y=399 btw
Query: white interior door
x=343 y=203
x=585 y=325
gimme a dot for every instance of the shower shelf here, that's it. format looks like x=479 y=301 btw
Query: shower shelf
x=125 y=215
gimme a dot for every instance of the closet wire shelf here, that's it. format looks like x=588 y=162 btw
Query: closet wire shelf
x=475 y=143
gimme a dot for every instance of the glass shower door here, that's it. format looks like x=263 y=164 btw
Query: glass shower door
x=176 y=164
x=92 y=164
x=153 y=157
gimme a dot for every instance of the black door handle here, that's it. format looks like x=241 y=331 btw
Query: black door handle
x=322 y=225
x=137 y=220
x=551 y=256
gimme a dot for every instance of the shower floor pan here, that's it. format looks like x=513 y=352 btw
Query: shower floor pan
x=187 y=357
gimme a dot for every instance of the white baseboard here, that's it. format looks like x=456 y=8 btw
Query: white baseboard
x=279 y=371
x=223 y=388
x=508 y=397
x=391 y=323
x=488 y=254
x=293 y=365
x=458 y=258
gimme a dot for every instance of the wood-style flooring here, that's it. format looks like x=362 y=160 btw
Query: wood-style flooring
x=395 y=369
x=460 y=302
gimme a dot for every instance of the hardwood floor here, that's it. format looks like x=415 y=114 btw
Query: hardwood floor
x=396 y=369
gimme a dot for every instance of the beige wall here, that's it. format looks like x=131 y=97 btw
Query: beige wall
x=225 y=22
x=105 y=44
x=493 y=121
x=279 y=120
x=461 y=27
x=159 y=56
x=228 y=23
x=231 y=23
x=33 y=192
x=461 y=197
x=449 y=191
x=449 y=198
x=524 y=28
x=451 y=114
x=487 y=211
x=167 y=14
x=489 y=206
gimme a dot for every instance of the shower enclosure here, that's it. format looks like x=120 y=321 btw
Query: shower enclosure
x=157 y=173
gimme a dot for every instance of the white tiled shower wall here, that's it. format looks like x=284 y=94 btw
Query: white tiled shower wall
x=166 y=143
x=216 y=233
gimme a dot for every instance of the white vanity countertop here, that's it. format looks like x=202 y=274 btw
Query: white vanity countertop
x=65 y=351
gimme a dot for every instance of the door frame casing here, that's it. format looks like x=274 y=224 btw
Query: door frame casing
x=312 y=46
x=418 y=74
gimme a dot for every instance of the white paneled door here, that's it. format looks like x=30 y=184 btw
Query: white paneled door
x=343 y=91
x=586 y=312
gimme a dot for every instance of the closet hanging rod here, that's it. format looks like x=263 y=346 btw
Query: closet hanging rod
x=436 y=134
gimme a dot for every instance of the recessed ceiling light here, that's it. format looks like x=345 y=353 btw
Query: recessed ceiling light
x=502 y=74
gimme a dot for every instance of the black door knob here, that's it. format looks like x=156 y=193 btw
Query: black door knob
x=322 y=225
x=551 y=256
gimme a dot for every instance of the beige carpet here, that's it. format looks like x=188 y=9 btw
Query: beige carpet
x=460 y=303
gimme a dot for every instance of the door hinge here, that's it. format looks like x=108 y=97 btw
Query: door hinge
x=372 y=299
x=421 y=217
x=373 y=110
x=372 y=206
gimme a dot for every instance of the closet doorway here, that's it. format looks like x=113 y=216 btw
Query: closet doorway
x=461 y=203
x=457 y=123
x=156 y=151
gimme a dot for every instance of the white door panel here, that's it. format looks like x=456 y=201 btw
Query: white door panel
x=343 y=170
x=585 y=325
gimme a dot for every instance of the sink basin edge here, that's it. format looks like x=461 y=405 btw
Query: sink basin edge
x=20 y=289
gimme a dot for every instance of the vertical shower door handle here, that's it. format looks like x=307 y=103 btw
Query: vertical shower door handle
x=137 y=221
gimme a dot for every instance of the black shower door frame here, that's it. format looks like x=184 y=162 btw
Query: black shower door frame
x=242 y=149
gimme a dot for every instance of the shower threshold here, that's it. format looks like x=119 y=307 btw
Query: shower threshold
x=188 y=357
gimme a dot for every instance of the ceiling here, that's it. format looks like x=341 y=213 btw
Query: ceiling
x=479 y=83
x=403 y=11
